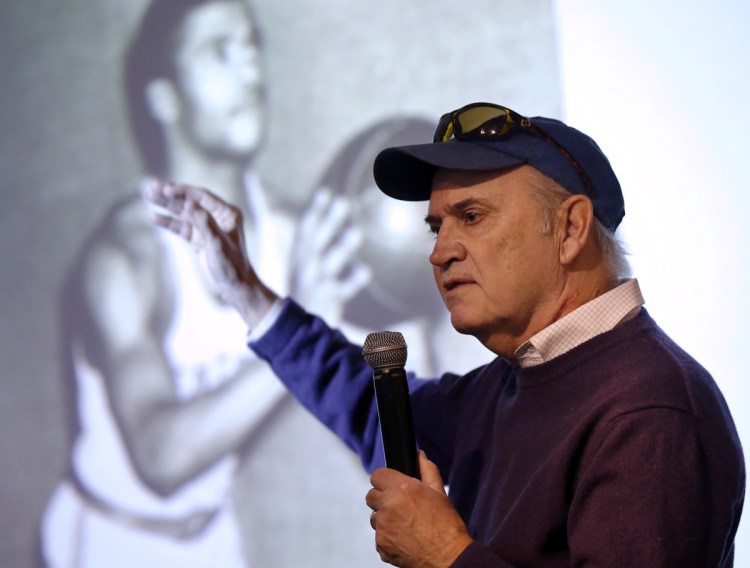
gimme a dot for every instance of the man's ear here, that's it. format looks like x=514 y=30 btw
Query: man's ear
x=575 y=218
x=163 y=101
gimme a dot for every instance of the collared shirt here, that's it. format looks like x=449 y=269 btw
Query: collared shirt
x=601 y=314
x=591 y=319
x=266 y=322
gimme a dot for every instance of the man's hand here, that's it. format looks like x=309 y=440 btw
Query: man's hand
x=326 y=274
x=416 y=526
x=215 y=229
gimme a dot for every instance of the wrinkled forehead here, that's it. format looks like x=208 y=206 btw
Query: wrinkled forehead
x=466 y=188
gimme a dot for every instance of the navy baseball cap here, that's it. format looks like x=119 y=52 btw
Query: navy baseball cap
x=507 y=140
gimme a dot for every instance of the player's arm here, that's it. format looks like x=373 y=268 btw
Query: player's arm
x=170 y=441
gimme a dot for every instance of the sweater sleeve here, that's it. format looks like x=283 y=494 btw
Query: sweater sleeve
x=328 y=376
x=652 y=494
x=478 y=555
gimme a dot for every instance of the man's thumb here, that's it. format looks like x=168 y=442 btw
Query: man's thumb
x=430 y=474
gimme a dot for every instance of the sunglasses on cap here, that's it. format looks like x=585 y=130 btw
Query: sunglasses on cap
x=487 y=121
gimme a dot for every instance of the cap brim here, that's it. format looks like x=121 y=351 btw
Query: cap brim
x=406 y=172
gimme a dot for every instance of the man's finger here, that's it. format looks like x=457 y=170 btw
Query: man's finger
x=160 y=193
x=173 y=225
x=356 y=279
x=209 y=201
x=169 y=194
x=320 y=202
x=342 y=251
x=372 y=498
x=202 y=221
x=385 y=477
x=331 y=225
x=430 y=474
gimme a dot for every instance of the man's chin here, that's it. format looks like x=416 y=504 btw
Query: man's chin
x=464 y=325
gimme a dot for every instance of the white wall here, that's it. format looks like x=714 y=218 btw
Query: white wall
x=663 y=87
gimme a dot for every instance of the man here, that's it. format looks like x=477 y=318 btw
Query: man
x=592 y=439
x=161 y=407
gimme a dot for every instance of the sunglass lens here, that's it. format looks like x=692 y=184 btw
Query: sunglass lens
x=444 y=130
x=483 y=121
x=474 y=121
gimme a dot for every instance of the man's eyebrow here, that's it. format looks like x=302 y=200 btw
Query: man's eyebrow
x=432 y=220
x=456 y=209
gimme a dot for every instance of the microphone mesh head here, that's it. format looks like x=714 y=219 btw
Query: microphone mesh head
x=385 y=350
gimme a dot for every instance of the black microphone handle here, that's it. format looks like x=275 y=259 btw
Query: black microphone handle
x=396 y=425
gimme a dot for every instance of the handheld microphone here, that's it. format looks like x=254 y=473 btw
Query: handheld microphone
x=385 y=352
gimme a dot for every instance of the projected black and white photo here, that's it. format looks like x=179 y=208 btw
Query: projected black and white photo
x=171 y=443
x=138 y=428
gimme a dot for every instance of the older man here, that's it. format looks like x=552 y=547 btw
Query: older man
x=591 y=440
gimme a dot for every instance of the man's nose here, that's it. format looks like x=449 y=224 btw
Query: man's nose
x=246 y=61
x=447 y=249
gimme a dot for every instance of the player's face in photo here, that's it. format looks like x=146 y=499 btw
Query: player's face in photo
x=220 y=79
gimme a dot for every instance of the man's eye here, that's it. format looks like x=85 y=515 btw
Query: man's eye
x=471 y=217
x=220 y=50
x=434 y=230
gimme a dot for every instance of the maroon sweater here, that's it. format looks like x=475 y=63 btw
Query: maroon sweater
x=621 y=452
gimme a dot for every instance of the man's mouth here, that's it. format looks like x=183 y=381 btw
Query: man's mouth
x=454 y=283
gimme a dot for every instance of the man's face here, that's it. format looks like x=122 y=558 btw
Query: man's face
x=497 y=273
x=219 y=79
